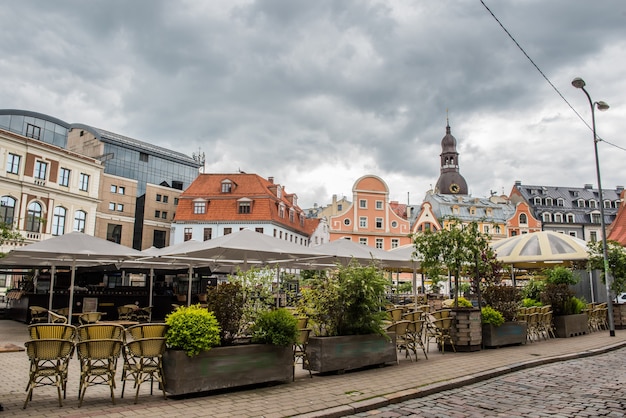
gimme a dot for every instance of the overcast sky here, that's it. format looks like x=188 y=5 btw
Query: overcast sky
x=319 y=93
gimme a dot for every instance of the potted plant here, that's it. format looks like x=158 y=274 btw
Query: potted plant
x=249 y=344
x=347 y=309
x=568 y=319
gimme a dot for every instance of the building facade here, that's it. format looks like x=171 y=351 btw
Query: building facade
x=370 y=218
x=219 y=204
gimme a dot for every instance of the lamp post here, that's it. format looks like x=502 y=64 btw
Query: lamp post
x=579 y=83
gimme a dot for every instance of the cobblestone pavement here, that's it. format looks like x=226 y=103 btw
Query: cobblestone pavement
x=585 y=387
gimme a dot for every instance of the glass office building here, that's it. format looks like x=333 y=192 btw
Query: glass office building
x=35 y=125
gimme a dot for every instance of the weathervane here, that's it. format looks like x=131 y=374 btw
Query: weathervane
x=199 y=157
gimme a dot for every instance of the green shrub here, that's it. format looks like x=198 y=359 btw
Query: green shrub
x=560 y=275
x=574 y=306
x=278 y=327
x=462 y=303
x=504 y=299
x=488 y=315
x=557 y=295
x=226 y=301
x=533 y=289
x=529 y=303
x=192 y=329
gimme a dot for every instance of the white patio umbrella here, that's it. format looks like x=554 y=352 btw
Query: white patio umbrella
x=70 y=250
x=343 y=251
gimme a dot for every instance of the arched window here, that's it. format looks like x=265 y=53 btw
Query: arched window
x=7 y=209
x=33 y=217
x=558 y=217
x=547 y=217
x=548 y=201
x=58 y=220
x=523 y=219
x=80 y=217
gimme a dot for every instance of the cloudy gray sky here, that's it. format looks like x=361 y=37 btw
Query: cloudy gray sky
x=320 y=93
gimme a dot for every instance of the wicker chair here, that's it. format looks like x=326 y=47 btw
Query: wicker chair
x=152 y=330
x=98 y=361
x=90 y=317
x=49 y=360
x=143 y=360
x=54 y=331
x=57 y=318
x=299 y=351
x=125 y=312
x=38 y=315
x=101 y=331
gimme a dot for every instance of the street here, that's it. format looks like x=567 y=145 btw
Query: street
x=586 y=387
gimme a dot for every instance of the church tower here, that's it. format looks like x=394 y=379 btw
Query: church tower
x=450 y=180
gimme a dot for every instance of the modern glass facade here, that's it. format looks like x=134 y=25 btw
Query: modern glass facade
x=34 y=125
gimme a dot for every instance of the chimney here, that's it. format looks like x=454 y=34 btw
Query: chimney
x=588 y=186
x=619 y=189
x=270 y=179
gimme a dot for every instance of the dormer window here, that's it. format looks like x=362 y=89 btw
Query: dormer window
x=607 y=204
x=281 y=211
x=558 y=217
x=547 y=217
x=548 y=201
x=245 y=205
x=560 y=202
x=581 y=203
x=227 y=186
x=593 y=204
x=279 y=192
x=292 y=215
x=199 y=206
x=570 y=218
x=537 y=201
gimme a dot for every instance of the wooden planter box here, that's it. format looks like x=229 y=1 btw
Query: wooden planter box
x=509 y=333
x=619 y=315
x=466 y=330
x=570 y=325
x=226 y=367
x=330 y=354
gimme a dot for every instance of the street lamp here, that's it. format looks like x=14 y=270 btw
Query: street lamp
x=579 y=83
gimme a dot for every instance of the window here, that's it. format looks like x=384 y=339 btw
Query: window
x=158 y=239
x=111 y=206
x=64 y=177
x=157 y=213
x=227 y=186
x=363 y=241
x=593 y=204
x=121 y=190
x=558 y=217
x=113 y=188
x=259 y=230
x=7 y=209
x=40 y=170
x=165 y=198
x=33 y=217
x=83 y=182
x=58 y=220
x=472 y=211
x=363 y=222
x=572 y=234
x=455 y=210
x=523 y=219
x=379 y=243
x=379 y=223
x=394 y=224
x=208 y=234
x=581 y=203
x=120 y=207
x=570 y=218
x=548 y=201
x=244 y=207
x=537 y=200
x=143 y=157
x=497 y=228
x=33 y=131
x=175 y=201
x=560 y=202
x=79 y=220
x=607 y=204
x=187 y=234
x=292 y=215
x=281 y=210
x=395 y=242
x=114 y=233
x=547 y=217
x=199 y=207
x=486 y=229
x=593 y=236
x=595 y=218
x=158 y=197
x=346 y=222
x=13 y=164
x=228 y=231
x=379 y=204
x=339 y=207
x=164 y=215
x=363 y=204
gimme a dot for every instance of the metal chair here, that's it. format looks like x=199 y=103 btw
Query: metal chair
x=151 y=330
x=416 y=337
x=57 y=318
x=439 y=330
x=90 y=317
x=101 y=331
x=49 y=360
x=299 y=351
x=143 y=360
x=52 y=331
x=38 y=315
x=98 y=361
x=125 y=312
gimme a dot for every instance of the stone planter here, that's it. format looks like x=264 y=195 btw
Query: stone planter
x=570 y=325
x=509 y=333
x=330 y=354
x=226 y=367
x=466 y=330
x=619 y=315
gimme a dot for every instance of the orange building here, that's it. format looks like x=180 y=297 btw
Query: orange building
x=371 y=219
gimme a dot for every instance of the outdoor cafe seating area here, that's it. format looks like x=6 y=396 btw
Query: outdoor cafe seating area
x=98 y=348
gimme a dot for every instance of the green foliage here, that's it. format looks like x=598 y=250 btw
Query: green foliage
x=530 y=302
x=192 y=329
x=7 y=234
x=557 y=295
x=488 y=315
x=573 y=306
x=405 y=287
x=617 y=263
x=533 y=289
x=504 y=299
x=461 y=303
x=278 y=327
x=226 y=302
x=350 y=301
x=560 y=275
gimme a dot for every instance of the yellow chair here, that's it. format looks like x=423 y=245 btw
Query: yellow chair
x=439 y=331
x=151 y=330
x=98 y=361
x=49 y=360
x=89 y=317
x=101 y=331
x=395 y=314
x=38 y=315
x=125 y=312
x=299 y=351
x=143 y=360
x=52 y=331
x=57 y=318
x=400 y=328
x=416 y=337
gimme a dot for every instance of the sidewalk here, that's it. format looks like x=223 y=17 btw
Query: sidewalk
x=321 y=396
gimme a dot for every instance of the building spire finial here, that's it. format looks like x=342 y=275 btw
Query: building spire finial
x=447 y=122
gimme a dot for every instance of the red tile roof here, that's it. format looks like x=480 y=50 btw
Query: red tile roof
x=617 y=230
x=225 y=206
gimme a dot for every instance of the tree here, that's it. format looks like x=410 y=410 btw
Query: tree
x=617 y=263
x=7 y=234
x=461 y=249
